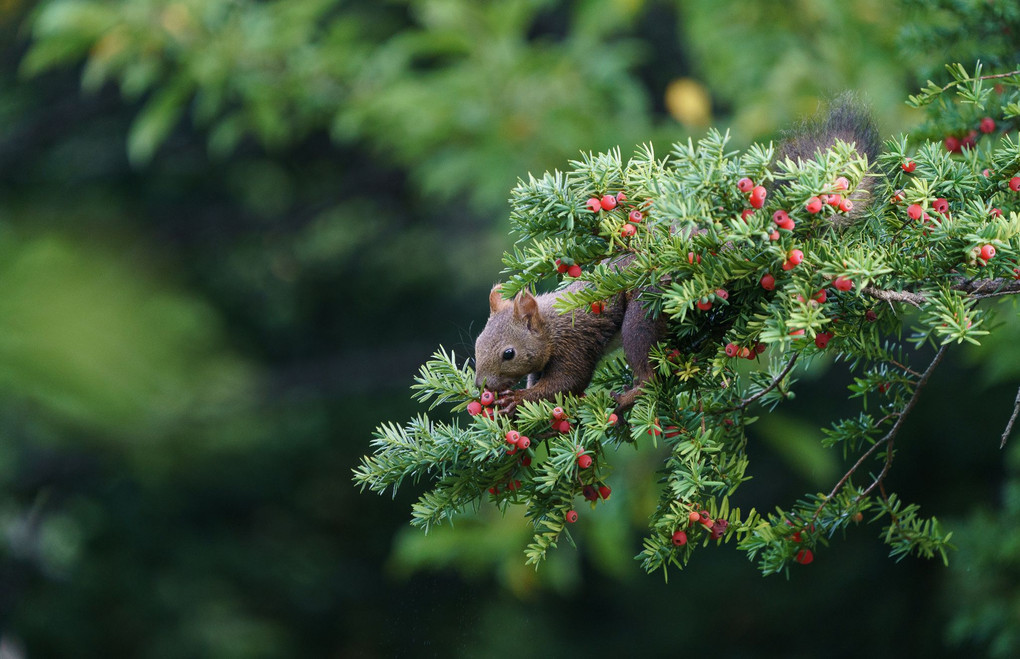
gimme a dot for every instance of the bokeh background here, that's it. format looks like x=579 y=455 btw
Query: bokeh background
x=231 y=231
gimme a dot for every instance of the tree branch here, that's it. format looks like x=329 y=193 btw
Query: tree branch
x=775 y=383
x=976 y=288
x=1012 y=419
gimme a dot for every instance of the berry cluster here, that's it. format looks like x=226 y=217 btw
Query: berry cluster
x=483 y=405
x=608 y=202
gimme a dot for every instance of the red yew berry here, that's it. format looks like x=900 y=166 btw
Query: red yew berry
x=722 y=294
x=746 y=213
x=940 y=205
x=842 y=183
x=558 y=413
x=987 y=252
x=493 y=490
x=628 y=230
x=995 y=212
x=563 y=426
x=526 y=461
x=768 y=282
x=914 y=211
x=607 y=202
x=523 y=443
x=513 y=486
x=636 y=216
x=745 y=353
x=870 y=315
x=561 y=267
x=845 y=205
x=795 y=256
x=1014 y=184
x=987 y=125
x=571 y=516
x=842 y=284
x=474 y=408
x=883 y=387
x=593 y=204
x=797 y=333
x=512 y=449
x=821 y=296
x=590 y=493
x=822 y=339
x=970 y=141
x=788 y=265
x=897 y=197
x=704 y=304
x=612 y=419
x=757 y=199
x=780 y=217
x=620 y=197
x=584 y=460
x=813 y=205
x=732 y=349
x=574 y=271
x=719 y=529
x=598 y=306
x=487 y=397
x=760 y=348
x=695 y=516
x=655 y=431
x=908 y=166
x=804 y=556
x=604 y=491
x=680 y=538
x=692 y=258
x=512 y=437
x=745 y=185
x=834 y=200
x=952 y=144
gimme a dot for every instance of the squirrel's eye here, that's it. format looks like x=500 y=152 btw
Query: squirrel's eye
x=508 y=354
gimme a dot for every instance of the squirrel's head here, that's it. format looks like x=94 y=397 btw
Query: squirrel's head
x=514 y=343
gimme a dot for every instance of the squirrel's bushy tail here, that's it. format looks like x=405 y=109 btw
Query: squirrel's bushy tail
x=848 y=119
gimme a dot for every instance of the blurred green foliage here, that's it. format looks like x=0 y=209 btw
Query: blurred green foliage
x=231 y=230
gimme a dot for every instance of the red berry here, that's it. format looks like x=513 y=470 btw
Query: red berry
x=822 y=339
x=590 y=493
x=870 y=315
x=774 y=234
x=797 y=333
x=952 y=144
x=883 y=387
x=612 y=419
x=571 y=516
x=745 y=353
x=655 y=431
x=914 y=211
x=719 y=529
x=526 y=461
x=757 y=199
x=789 y=265
x=746 y=213
x=768 y=282
x=940 y=205
x=760 y=348
x=695 y=516
x=598 y=306
x=608 y=202
x=704 y=304
x=593 y=204
x=995 y=212
x=795 y=256
x=691 y=257
x=987 y=125
x=620 y=197
x=584 y=460
x=628 y=230
x=487 y=397
x=513 y=485
x=846 y=205
x=563 y=426
x=908 y=166
x=558 y=413
x=574 y=271
x=1014 y=184
x=745 y=185
x=970 y=141
x=523 y=443
x=680 y=538
x=813 y=205
x=635 y=216
x=474 y=408
x=897 y=197
x=804 y=556
x=493 y=490
x=513 y=437
x=842 y=183
x=722 y=294
x=987 y=252
x=780 y=217
x=834 y=200
x=604 y=491
x=821 y=296
x=843 y=284
x=510 y=450
x=732 y=349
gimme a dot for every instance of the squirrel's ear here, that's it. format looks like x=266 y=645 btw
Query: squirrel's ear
x=496 y=301
x=526 y=309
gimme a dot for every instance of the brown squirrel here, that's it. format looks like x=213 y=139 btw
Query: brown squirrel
x=558 y=352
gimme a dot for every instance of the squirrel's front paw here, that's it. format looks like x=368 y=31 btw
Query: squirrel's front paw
x=508 y=401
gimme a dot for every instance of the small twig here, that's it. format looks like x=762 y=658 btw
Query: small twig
x=775 y=383
x=1012 y=419
x=887 y=439
x=979 y=289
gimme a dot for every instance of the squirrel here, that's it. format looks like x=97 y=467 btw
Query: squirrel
x=558 y=352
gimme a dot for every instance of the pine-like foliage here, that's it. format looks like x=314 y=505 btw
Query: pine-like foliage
x=940 y=233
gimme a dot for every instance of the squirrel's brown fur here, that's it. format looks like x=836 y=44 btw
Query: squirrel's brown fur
x=558 y=352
